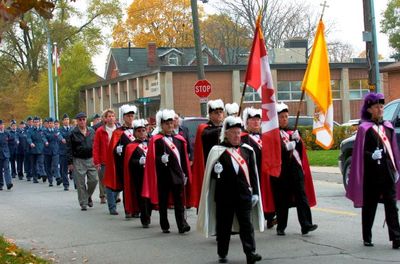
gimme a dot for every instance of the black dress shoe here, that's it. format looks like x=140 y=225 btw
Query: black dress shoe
x=253 y=258
x=83 y=208
x=166 y=231
x=271 y=223
x=280 y=232
x=90 y=202
x=9 y=186
x=184 y=229
x=114 y=213
x=396 y=244
x=368 y=244
x=44 y=178
x=1 y=188
x=50 y=185
x=59 y=181
x=223 y=260
x=307 y=229
x=145 y=225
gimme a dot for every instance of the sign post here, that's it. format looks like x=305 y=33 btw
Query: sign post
x=202 y=88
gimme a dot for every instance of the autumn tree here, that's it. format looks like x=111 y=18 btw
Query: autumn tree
x=221 y=31
x=391 y=25
x=165 y=22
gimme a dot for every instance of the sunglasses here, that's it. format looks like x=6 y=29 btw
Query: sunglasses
x=81 y=119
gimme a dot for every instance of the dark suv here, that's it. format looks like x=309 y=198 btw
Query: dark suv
x=192 y=123
x=391 y=113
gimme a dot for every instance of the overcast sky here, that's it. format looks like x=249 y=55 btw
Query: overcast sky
x=347 y=15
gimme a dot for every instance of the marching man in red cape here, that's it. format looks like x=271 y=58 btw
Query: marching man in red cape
x=134 y=164
x=252 y=137
x=114 y=174
x=294 y=186
x=231 y=191
x=207 y=136
x=167 y=172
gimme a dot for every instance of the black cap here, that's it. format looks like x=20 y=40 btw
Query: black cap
x=36 y=118
x=22 y=123
x=96 y=116
x=13 y=122
x=29 y=118
x=50 y=119
x=80 y=115
x=65 y=116
x=56 y=121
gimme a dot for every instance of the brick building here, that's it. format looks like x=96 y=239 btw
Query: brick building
x=154 y=78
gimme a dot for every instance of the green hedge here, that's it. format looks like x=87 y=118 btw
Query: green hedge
x=339 y=133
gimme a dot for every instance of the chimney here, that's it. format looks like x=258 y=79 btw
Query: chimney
x=151 y=54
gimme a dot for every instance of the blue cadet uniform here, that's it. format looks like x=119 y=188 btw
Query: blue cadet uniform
x=51 y=153
x=36 y=140
x=12 y=145
x=4 y=158
x=21 y=148
x=27 y=149
x=63 y=158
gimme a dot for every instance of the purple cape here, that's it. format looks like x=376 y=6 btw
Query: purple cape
x=356 y=177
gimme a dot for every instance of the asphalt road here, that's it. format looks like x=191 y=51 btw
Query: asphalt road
x=49 y=222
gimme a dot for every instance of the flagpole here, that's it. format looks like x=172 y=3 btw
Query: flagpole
x=241 y=99
x=56 y=77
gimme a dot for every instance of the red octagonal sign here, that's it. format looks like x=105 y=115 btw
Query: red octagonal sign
x=202 y=88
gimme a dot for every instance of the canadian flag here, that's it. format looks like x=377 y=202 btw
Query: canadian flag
x=259 y=77
x=56 y=61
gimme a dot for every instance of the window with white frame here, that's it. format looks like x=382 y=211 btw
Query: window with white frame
x=205 y=59
x=335 y=88
x=289 y=90
x=173 y=59
x=250 y=95
x=358 y=89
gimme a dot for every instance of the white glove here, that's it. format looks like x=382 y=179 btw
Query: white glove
x=142 y=160
x=254 y=200
x=296 y=136
x=165 y=158
x=218 y=168
x=377 y=155
x=119 y=149
x=291 y=145
x=185 y=180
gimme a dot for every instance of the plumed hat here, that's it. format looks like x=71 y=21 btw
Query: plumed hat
x=250 y=112
x=139 y=123
x=281 y=107
x=163 y=116
x=230 y=122
x=232 y=109
x=369 y=100
x=213 y=105
x=127 y=109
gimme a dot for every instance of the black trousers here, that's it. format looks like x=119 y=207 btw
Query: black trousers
x=371 y=199
x=225 y=214
x=286 y=195
x=144 y=203
x=20 y=165
x=164 y=189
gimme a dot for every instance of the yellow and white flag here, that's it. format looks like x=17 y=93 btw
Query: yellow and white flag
x=317 y=84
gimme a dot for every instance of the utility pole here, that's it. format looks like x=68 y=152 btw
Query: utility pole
x=50 y=75
x=199 y=56
x=369 y=36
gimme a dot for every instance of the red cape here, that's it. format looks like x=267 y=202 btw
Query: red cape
x=110 y=179
x=198 y=166
x=130 y=202
x=150 y=187
x=267 y=192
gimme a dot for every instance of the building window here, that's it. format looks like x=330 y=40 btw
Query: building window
x=205 y=59
x=146 y=85
x=250 y=95
x=335 y=88
x=289 y=90
x=173 y=59
x=358 y=89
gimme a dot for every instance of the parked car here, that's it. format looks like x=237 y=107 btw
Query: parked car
x=352 y=122
x=305 y=121
x=391 y=113
x=192 y=123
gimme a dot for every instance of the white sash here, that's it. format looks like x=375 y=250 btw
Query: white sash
x=256 y=140
x=384 y=139
x=242 y=163
x=129 y=135
x=173 y=148
x=286 y=139
x=144 y=148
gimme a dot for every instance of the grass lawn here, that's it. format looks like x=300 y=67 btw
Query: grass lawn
x=323 y=157
x=10 y=253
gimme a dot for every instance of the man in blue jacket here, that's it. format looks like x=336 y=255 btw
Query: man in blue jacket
x=51 y=152
x=4 y=158
x=36 y=141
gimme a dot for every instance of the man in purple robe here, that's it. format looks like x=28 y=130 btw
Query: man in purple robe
x=374 y=170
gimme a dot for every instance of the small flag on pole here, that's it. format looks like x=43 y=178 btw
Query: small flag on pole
x=56 y=61
x=317 y=84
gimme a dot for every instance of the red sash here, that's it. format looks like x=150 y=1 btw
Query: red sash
x=286 y=140
x=384 y=139
x=173 y=148
x=256 y=140
x=242 y=163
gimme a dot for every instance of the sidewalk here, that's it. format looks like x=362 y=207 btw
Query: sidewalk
x=329 y=174
x=325 y=169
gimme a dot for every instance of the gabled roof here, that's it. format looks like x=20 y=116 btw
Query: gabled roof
x=394 y=67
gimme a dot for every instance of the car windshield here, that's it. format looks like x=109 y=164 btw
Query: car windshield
x=192 y=124
x=389 y=111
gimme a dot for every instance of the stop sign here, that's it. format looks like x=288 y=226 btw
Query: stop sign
x=202 y=88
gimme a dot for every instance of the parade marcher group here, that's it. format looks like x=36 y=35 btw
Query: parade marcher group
x=225 y=183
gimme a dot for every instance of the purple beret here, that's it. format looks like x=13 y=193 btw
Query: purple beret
x=369 y=100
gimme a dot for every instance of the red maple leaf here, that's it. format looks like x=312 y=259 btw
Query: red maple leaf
x=265 y=114
x=267 y=94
